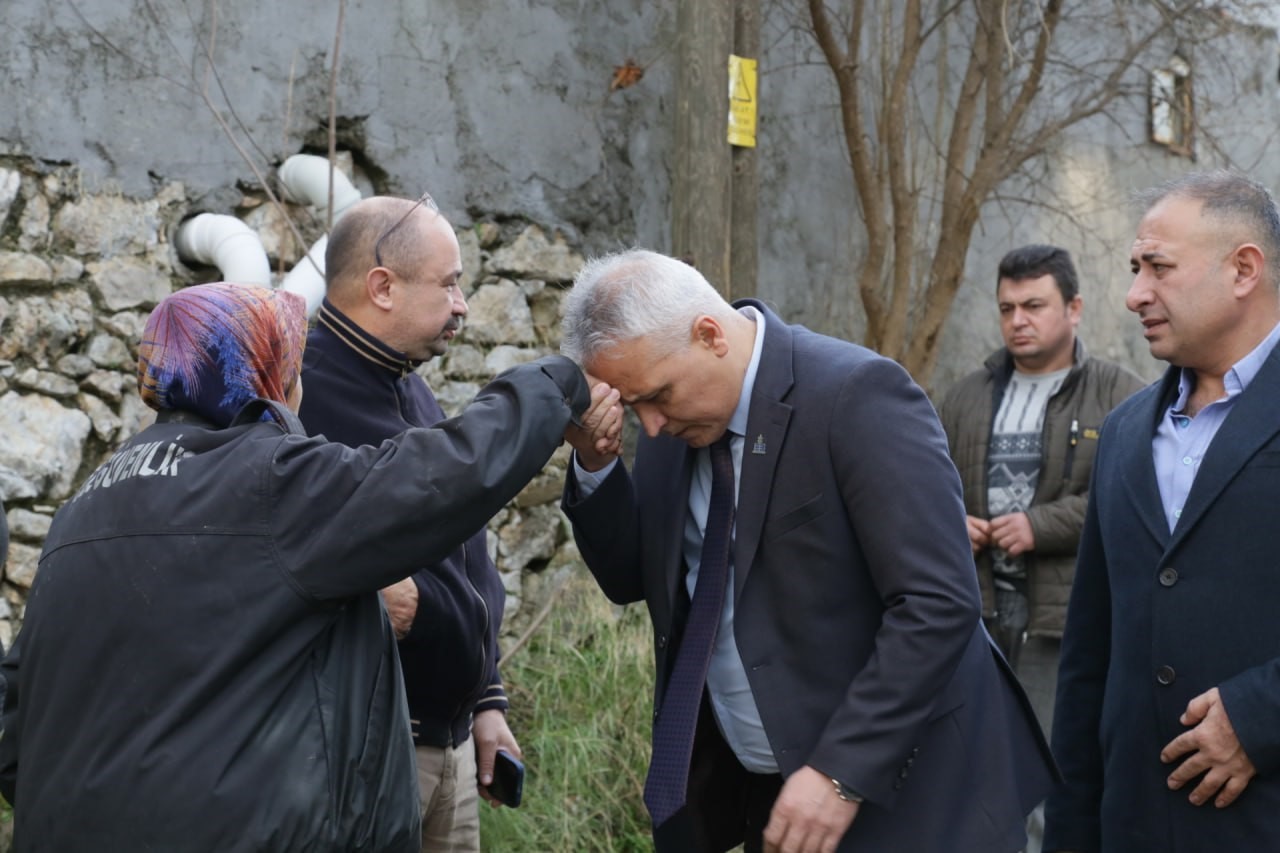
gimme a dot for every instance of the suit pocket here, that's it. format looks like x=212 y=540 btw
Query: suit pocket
x=791 y=519
x=1267 y=459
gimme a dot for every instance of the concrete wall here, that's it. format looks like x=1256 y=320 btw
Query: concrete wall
x=496 y=106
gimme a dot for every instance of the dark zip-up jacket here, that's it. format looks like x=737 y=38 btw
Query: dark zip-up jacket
x=360 y=391
x=1068 y=441
x=205 y=663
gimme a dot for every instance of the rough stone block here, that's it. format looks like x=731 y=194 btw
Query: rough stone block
x=534 y=255
x=499 y=314
x=129 y=282
x=43 y=443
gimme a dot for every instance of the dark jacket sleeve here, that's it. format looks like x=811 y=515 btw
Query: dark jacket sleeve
x=902 y=496
x=414 y=492
x=606 y=529
x=495 y=695
x=4 y=538
x=9 y=745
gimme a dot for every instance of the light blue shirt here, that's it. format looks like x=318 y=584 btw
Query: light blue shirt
x=731 y=700
x=1181 y=442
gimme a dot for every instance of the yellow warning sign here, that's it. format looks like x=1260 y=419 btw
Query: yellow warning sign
x=742 y=101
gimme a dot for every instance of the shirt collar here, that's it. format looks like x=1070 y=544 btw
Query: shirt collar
x=1237 y=378
x=738 y=420
x=366 y=345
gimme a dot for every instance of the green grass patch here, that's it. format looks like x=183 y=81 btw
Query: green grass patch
x=581 y=704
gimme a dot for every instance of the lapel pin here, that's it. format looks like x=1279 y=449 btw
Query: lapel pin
x=759 y=448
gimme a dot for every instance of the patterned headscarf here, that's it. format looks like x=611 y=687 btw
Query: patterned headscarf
x=211 y=348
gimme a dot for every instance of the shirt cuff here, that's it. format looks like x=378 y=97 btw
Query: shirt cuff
x=589 y=481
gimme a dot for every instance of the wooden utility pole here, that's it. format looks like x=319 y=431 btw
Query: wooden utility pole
x=714 y=192
x=744 y=240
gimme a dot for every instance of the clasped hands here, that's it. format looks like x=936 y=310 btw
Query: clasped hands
x=1011 y=533
x=597 y=437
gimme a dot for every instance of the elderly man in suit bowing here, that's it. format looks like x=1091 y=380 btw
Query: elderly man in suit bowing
x=795 y=526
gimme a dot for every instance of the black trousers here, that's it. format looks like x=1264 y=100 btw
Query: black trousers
x=727 y=805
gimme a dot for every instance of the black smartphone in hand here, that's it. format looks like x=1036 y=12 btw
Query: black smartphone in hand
x=508 y=779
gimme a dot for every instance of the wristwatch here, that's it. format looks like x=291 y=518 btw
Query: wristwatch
x=844 y=792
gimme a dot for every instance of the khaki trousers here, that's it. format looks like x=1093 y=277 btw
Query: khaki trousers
x=450 y=799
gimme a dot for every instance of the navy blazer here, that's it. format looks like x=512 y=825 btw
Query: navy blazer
x=1157 y=618
x=856 y=602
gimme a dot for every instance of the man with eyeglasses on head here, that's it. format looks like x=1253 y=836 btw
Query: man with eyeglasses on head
x=393 y=302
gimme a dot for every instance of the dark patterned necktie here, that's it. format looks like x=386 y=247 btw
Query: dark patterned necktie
x=666 y=786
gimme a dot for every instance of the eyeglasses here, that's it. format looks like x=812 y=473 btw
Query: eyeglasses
x=425 y=200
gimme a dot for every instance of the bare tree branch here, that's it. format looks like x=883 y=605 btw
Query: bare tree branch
x=921 y=183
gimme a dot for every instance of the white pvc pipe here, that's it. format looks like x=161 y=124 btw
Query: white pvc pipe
x=307 y=276
x=305 y=178
x=226 y=243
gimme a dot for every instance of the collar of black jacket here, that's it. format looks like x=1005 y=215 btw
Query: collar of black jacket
x=366 y=345
x=178 y=416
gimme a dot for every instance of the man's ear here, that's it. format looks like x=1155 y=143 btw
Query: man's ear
x=708 y=332
x=1249 y=263
x=1074 y=309
x=377 y=286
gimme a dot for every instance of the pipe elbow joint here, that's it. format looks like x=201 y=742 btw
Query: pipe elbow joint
x=226 y=243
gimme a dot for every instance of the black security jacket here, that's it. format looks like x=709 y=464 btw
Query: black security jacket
x=205 y=663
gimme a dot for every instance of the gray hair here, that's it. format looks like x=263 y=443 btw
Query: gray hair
x=635 y=294
x=1232 y=200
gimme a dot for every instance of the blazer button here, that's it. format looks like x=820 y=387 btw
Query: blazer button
x=902 y=774
x=1168 y=576
x=1165 y=675
x=662 y=641
x=897 y=784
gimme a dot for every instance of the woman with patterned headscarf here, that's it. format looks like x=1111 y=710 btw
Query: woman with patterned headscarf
x=209 y=350
x=205 y=663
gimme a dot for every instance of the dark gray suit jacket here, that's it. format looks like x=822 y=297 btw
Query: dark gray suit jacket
x=857 y=613
x=1157 y=618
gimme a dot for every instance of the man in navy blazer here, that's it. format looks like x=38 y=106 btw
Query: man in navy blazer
x=1167 y=725
x=853 y=700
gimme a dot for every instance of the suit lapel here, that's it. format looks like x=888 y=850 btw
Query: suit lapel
x=767 y=421
x=1253 y=421
x=1139 y=474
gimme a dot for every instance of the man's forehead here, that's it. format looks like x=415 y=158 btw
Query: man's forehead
x=1011 y=289
x=631 y=368
x=1145 y=246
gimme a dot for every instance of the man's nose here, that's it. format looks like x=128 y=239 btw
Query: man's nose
x=460 y=304
x=651 y=419
x=1139 y=293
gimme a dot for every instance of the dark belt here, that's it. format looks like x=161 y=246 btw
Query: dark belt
x=432 y=733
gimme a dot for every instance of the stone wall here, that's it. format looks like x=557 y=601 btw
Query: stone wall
x=79 y=274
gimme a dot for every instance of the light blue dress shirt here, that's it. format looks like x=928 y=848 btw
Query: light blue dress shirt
x=1181 y=442
x=735 y=708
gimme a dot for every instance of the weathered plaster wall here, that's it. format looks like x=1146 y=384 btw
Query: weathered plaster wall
x=495 y=106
